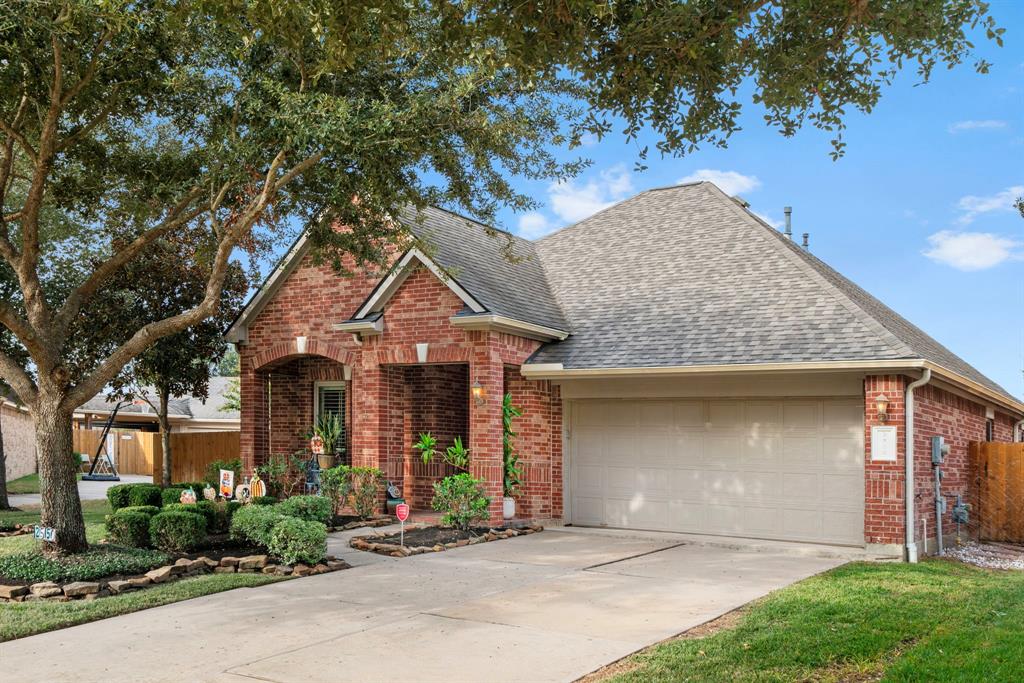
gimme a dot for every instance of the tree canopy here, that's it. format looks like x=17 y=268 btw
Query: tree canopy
x=126 y=122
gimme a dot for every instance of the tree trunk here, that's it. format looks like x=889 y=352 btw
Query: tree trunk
x=165 y=439
x=58 y=480
x=5 y=504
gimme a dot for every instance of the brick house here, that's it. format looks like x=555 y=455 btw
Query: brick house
x=682 y=365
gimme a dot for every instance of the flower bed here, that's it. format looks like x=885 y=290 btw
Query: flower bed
x=349 y=522
x=182 y=568
x=434 y=539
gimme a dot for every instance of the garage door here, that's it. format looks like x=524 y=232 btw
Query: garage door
x=778 y=469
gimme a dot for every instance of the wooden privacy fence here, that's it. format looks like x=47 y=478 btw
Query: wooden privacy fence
x=1000 y=471
x=142 y=452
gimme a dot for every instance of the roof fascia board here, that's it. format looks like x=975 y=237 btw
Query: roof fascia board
x=239 y=330
x=976 y=390
x=363 y=327
x=501 y=323
x=390 y=284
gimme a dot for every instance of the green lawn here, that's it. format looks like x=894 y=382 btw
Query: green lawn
x=27 y=484
x=20 y=619
x=934 y=621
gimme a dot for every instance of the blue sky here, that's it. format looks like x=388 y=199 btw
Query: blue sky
x=918 y=212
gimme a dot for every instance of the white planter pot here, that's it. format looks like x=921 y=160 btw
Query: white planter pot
x=508 y=507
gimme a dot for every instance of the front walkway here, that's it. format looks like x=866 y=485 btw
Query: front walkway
x=87 y=490
x=546 y=607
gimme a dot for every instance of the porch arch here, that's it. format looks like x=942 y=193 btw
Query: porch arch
x=289 y=349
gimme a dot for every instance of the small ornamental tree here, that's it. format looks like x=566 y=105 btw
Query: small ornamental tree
x=133 y=121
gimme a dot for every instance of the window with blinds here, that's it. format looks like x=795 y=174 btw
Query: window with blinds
x=330 y=398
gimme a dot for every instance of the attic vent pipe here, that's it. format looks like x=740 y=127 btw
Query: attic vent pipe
x=806 y=244
x=788 y=210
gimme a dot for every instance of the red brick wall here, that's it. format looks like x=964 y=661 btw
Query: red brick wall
x=883 y=481
x=538 y=443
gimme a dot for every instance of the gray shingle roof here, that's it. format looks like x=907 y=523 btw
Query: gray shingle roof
x=685 y=276
x=473 y=255
x=188 y=406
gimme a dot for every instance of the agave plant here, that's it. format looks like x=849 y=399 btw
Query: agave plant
x=328 y=427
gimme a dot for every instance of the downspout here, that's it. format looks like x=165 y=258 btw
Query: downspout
x=908 y=462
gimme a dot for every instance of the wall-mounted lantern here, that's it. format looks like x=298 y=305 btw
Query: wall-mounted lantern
x=477 y=392
x=882 y=407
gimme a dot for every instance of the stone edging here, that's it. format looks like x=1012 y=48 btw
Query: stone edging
x=19 y=530
x=360 y=523
x=366 y=543
x=182 y=568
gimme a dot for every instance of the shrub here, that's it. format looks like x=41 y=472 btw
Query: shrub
x=253 y=523
x=212 y=472
x=309 y=508
x=128 y=527
x=205 y=508
x=196 y=486
x=145 y=494
x=147 y=509
x=171 y=495
x=365 y=488
x=461 y=498
x=296 y=540
x=177 y=531
x=117 y=496
x=264 y=500
x=95 y=563
x=336 y=483
x=230 y=508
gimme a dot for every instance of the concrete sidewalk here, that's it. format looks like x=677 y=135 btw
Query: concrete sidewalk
x=87 y=490
x=547 y=607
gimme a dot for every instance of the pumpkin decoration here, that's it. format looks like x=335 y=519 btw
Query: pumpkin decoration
x=316 y=444
x=242 y=493
x=210 y=493
x=257 y=488
x=188 y=496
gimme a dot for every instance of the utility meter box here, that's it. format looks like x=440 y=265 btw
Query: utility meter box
x=960 y=512
x=940 y=449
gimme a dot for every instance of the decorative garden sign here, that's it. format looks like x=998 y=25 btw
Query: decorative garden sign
x=227 y=483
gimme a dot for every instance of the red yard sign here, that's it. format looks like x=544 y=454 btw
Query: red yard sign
x=402 y=512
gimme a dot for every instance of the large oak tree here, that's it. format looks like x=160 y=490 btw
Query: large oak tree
x=134 y=119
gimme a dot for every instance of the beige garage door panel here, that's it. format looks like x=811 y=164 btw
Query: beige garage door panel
x=786 y=469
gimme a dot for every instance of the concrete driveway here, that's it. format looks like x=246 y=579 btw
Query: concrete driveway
x=546 y=607
x=87 y=490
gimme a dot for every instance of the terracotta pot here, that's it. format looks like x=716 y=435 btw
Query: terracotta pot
x=508 y=507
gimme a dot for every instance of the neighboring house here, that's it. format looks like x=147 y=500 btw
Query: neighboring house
x=682 y=366
x=187 y=414
x=19 y=439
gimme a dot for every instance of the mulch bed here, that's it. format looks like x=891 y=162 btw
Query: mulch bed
x=433 y=539
x=348 y=522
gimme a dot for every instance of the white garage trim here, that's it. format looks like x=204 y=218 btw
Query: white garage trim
x=773 y=468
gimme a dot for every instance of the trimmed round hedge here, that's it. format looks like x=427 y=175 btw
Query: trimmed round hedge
x=129 y=527
x=145 y=494
x=148 y=509
x=296 y=540
x=254 y=523
x=171 y=495
x=309 y=508
x=177 y=531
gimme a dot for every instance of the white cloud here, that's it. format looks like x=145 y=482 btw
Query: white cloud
x=972 y=205
x=534 y=224
x=774 y=222
x=729 y=182
x=985 y=124
x=573 y=202
x=972 y=250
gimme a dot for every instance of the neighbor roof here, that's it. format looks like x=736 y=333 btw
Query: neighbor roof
x=180 y=408
x=686 y=276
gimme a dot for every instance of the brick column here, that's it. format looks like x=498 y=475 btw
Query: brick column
x=368 y=406
x=884 y=481
x=253 y=437
x=485 y=428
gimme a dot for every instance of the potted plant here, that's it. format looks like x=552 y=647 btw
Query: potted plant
x=326 y=430
x=513 y=479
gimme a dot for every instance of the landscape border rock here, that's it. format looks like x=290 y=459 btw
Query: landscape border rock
x=367 y=544
x=180 y=569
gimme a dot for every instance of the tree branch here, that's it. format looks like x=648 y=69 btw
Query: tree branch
x=72 y=139
x=178 y=215
x=18 y=379
x=90 y=70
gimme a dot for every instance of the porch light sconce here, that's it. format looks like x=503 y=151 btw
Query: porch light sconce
x=882 y=407
x=300 y=344
x=478 y=393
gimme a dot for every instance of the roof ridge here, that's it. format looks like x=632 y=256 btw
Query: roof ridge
x=776 y=239
x=611 y=206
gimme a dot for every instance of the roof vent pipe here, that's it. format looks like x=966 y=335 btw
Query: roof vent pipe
x=908 y=464
x=806 y=245
x=788 y=210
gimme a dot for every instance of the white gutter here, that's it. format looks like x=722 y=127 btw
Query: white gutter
x=908 y=460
